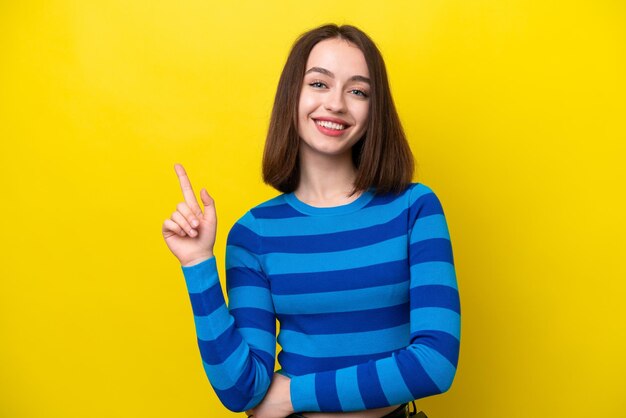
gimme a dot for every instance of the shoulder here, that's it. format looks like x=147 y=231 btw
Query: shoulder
x=267 y=209
x=418 y=190
x=413 y=193
x=246 y=232
x=423 y=201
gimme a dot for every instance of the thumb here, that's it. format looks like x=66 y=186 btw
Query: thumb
x=209 y=204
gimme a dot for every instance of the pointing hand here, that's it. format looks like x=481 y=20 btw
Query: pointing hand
x=189 y=233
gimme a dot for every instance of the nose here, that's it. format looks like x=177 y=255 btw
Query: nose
x=335 y=101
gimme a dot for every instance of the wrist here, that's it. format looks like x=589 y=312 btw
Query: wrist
x=287 y=396
x=197 y=259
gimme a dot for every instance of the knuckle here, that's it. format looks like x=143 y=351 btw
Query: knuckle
x=181 y=207
x=179 y=219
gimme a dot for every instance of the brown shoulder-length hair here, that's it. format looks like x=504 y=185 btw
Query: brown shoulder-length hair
x=382 y=157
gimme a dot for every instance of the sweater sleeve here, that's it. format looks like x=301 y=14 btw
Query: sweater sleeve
x=237 y=343
x=427 y=365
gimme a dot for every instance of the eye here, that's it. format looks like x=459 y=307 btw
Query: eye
x=317 y=84
x=359 y=92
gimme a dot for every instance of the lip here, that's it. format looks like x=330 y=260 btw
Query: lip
x=331 y=119
x=331 y=132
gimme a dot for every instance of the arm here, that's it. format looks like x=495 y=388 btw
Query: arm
x=237 y=343
x=428 y=364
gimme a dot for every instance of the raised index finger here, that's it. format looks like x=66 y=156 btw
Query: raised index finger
x=185 y=185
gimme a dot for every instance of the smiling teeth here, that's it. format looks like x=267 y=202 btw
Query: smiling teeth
x=330 y=125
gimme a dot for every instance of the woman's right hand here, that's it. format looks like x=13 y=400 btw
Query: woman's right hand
x=189 y=233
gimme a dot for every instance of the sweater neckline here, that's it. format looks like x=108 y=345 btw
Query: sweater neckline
x=307 y=209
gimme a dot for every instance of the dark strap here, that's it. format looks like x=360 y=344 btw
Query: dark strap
x=399 y=412
x=415 y=412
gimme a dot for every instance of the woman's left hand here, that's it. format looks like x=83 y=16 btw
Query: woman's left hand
x=277 y=401
x=277 y=404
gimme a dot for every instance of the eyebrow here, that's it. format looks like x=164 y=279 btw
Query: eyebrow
x=330 y=74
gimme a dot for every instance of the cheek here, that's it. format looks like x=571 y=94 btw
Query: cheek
x=363 y=120
x=363 y=114
x=305 y=106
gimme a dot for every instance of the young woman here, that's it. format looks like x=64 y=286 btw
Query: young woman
x=352 y=259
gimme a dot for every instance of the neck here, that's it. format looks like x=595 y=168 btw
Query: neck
x=326 y=180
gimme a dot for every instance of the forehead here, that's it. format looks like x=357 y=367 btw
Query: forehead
x=338 y=56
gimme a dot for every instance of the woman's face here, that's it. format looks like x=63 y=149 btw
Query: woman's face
x=334 y=101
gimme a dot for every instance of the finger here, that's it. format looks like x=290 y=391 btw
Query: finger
x=182 y=222
x=192 y=219
x=185 y=186
x=171 y=226
x=209 y=205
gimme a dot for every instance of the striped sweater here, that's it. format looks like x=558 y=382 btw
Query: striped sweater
x=365 y=295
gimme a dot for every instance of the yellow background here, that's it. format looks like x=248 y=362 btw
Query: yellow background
x=515 y=112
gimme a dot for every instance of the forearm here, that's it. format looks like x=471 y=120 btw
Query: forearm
x=238 y=375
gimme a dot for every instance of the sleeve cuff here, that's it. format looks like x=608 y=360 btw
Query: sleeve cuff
x=201 y=276
x=302 y=390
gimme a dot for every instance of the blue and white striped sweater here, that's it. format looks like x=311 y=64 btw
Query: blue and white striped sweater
x=365 y=295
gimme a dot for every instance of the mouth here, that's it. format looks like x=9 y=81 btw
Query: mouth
x=333 y=125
